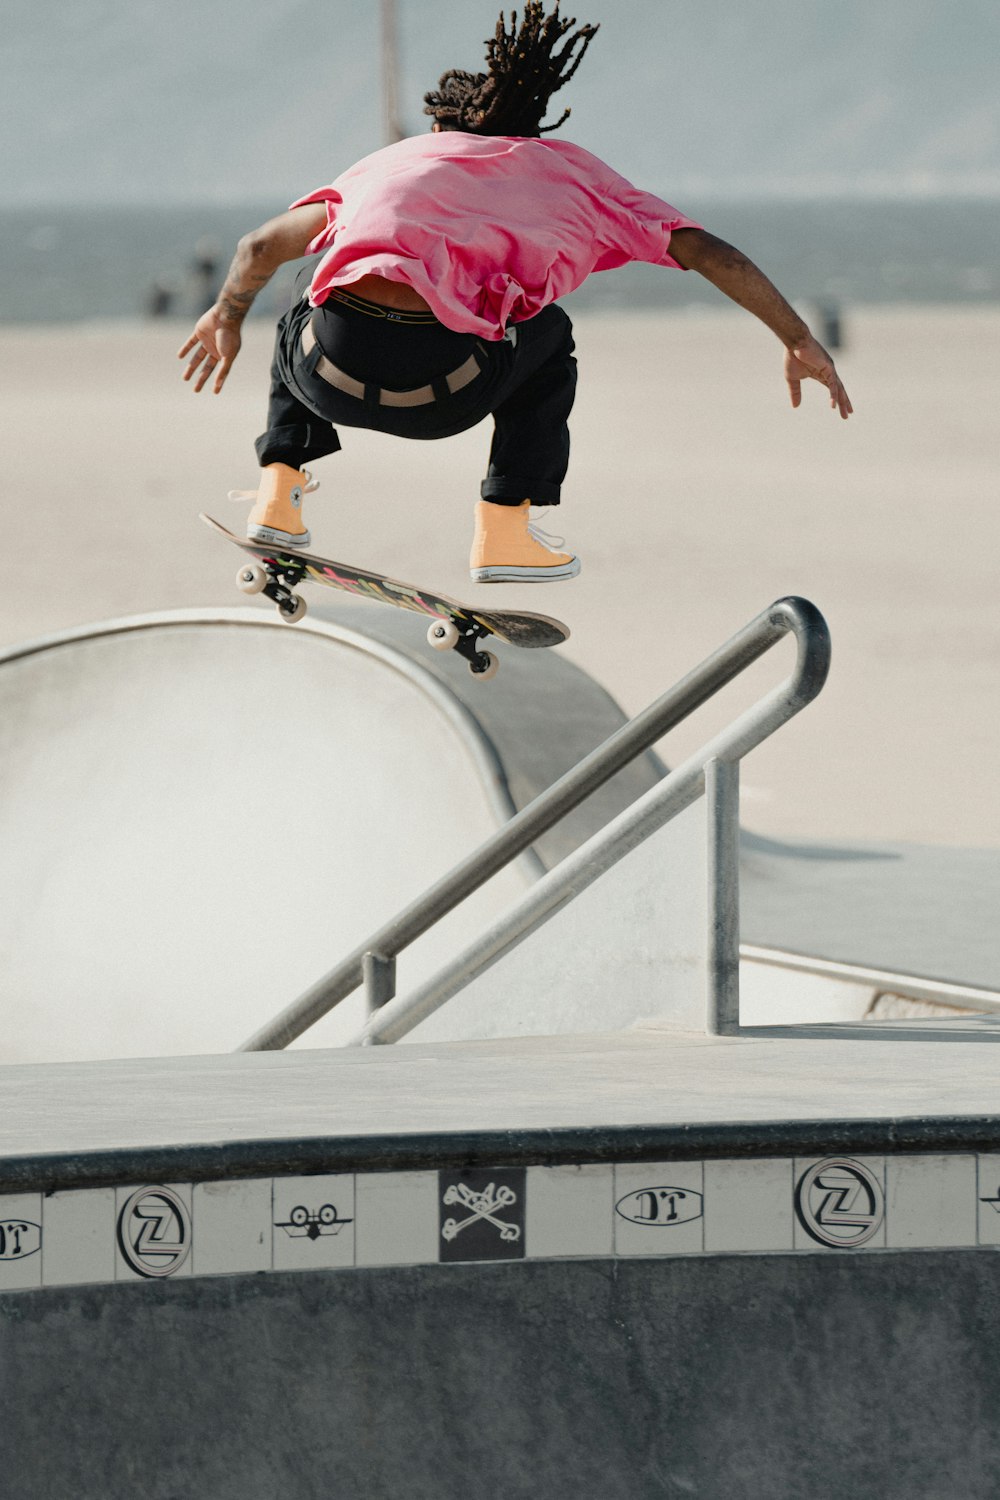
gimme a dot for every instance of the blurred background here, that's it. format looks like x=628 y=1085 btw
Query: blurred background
x=143 y=139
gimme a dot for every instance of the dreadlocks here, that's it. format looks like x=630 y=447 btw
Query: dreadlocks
x=525 y=69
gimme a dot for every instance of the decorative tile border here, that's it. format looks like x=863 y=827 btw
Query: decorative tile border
x=828 y=1205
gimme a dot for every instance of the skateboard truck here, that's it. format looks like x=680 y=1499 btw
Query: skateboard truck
x=448 y=635
x=276 y=578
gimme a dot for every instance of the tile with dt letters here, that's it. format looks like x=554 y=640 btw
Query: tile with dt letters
x=659 y=1208
x=20 y=1241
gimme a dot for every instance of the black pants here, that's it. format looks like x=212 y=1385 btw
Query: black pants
x=527 y=386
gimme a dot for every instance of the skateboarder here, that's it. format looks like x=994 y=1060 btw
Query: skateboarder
x=432 y=299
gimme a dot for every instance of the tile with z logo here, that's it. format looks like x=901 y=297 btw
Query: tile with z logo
x=153 y=1231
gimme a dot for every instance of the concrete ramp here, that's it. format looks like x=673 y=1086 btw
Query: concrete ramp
x=197 y=816
x=201 y=812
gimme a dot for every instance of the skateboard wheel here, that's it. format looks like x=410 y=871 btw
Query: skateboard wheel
x=489 y=669
x=293 y=610
x=443 y=634
x=251 y=579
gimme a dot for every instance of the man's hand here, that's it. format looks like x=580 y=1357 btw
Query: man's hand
x=730 y=270
x=216 y=338
x=808 y=360
x=216 y=343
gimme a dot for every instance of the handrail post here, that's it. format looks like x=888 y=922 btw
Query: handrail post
x=722 y=796
x=378 y=975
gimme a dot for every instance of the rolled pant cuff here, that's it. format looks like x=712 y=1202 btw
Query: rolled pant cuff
x=511 y=491
x=296 y=444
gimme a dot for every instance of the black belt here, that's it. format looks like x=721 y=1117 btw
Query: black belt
x=420 y=395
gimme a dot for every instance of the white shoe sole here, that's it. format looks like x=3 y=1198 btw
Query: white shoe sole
x=526 y=575
x=272 y=538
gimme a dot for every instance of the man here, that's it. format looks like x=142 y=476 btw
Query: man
x=434 y=300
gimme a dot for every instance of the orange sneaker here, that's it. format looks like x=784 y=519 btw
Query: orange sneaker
x=507 y=548
x=276 y=517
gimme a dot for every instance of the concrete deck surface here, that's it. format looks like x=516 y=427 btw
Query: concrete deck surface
x=586 y=1097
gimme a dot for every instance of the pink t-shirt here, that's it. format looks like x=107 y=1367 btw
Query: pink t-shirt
x=488 y=229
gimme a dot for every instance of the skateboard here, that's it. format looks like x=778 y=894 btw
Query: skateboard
x=454 y=626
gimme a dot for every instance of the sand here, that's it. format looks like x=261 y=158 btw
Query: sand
x=696 y=497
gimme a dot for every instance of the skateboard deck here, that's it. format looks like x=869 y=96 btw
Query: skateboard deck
x=454 y=626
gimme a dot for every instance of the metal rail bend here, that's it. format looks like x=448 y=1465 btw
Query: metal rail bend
x=373 y=961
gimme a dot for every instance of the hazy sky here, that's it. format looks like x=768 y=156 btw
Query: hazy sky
x=239 y=100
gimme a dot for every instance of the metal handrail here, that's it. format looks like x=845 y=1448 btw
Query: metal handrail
x=373 y=962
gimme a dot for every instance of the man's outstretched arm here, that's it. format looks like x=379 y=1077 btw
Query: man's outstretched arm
x=216 y=338
x=730 y=270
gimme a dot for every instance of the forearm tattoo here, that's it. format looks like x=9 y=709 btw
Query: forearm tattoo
x=240 y=289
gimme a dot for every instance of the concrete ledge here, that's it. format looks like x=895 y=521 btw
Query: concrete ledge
x=642 y=1095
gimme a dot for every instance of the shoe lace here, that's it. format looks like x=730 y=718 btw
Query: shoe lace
x=546 y=538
